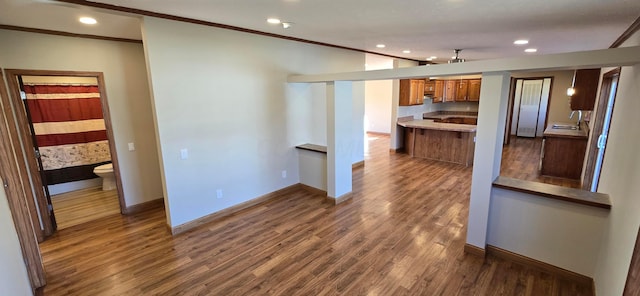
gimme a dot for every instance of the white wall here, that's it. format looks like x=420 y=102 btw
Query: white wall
x=378 y=93
x=566 y=234
x=127 y=90
x=223 y=95
x=619 y=178
x=14 y=279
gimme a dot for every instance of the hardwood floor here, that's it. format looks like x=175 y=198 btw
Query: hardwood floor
x=402 y=233
x=81 y=206
x=521 y=160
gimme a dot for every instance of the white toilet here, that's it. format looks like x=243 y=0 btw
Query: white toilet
x=105 y=172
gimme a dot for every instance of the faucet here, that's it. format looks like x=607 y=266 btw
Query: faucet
x=579 y=117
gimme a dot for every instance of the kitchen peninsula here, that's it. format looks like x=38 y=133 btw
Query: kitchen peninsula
x=440 y=137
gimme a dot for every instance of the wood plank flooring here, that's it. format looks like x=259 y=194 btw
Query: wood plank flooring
x=521 y=160
x=81 y=206
x=402 y=233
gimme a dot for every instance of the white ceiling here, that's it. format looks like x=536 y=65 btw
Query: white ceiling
x=483 y=29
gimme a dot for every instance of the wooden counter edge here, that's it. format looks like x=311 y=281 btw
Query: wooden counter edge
x=579 y=196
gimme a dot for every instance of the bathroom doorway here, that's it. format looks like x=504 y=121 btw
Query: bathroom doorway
x=65 y=132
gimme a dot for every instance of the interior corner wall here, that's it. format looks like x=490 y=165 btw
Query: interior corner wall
x=378 y=95
x=619 y=178
x=14 y=279
x=123 y=65
x=223 y=96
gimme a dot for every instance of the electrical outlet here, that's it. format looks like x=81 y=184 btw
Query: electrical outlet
x=284 y=174
x=219 y=193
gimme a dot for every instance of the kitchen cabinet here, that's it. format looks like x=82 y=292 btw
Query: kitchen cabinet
x=450 y=87
x=462 y=87
x=586 y=88
x=563 y=152
x=411 y=92
x=438 y=93
x=473 y=92
x=429 y=87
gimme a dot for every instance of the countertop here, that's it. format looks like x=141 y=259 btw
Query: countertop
x=582 y=133
x=446 y=116
x=429 y=124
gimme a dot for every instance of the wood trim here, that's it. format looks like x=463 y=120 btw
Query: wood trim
x=357 y=165
x=632 y=286
x=232 y=210
x=340 y=199
x=396 y=150
x=539 y=265
x=23 y=143
x=145 y=206
x=378 y=134
x=67 y=34
x=635 y=26
x=473 y=250
x=598 y=125
x=110 y=136
x=572 y=195
x=313 y=190
x=24 y=177
x=218 y=25
x=17 y=200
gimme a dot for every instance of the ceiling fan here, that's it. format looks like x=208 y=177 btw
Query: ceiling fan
x=456 y=59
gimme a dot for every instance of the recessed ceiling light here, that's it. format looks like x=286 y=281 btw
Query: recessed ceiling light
x=530 y=50
x=406 y=51
x=381 y=46
x=88 y=20
x=431 y=58
x=521 y=42
x=274 y=21
x=286 y=25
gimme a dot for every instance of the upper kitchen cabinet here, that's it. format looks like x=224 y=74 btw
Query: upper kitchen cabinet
x=462 y=88
x=473 y=91
x=429 y=87
x=411 y=92
x=586 y=88
x=438 y=93
x=450 y=87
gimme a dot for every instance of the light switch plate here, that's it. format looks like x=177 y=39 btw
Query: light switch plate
x=184 y=153
x=132 y=147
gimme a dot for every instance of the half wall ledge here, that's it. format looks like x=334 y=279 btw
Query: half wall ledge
x=579 y=196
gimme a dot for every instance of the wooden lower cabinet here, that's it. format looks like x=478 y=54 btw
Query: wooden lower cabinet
x=449 y=146
x=563 y=157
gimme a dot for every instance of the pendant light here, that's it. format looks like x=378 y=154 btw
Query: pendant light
x=456 y=59
x=571 y=90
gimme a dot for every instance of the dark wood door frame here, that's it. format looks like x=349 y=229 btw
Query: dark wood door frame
x=598 y=126
x=27 y=142
x=512 y=99
x=17 y=198
x=632 y=286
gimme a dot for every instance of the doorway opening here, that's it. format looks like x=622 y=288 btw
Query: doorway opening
x=64 y=128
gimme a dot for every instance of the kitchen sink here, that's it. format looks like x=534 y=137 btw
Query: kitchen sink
x=565 y=126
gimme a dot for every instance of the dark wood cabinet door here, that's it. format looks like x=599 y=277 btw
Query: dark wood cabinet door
x=586 y=88
x=405 y=92
x=462 y=88
x=473 y=93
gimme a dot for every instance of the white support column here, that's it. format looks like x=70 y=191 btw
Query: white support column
x=339 y=140
x=492 y=112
